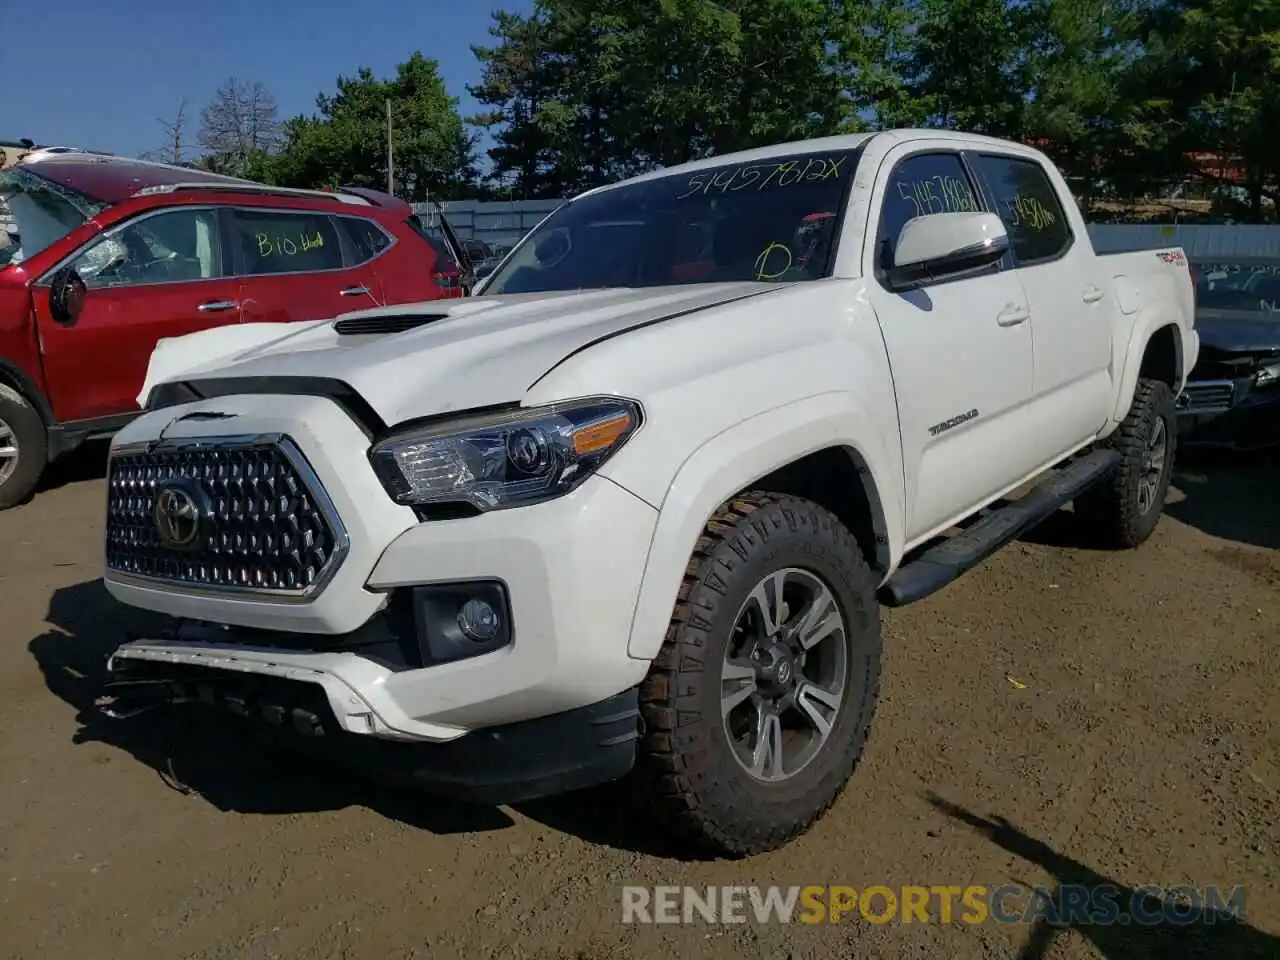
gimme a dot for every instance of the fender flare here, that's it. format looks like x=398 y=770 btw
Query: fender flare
x=730 y=462
x=1144 y=328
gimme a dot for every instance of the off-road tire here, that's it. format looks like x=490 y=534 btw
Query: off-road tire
x=1110 y=511
x=686 y=777
x=33 y=447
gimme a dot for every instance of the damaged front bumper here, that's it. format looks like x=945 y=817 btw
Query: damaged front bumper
x=510 y=763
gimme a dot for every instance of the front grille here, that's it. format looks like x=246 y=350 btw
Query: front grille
x=1207 y=396
x=254 y=517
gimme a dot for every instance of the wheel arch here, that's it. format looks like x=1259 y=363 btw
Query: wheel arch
x=808 y=449
x=12 y=376
x=1155 y=352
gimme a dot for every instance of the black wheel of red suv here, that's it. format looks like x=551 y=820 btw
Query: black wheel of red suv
x=759 y=703
x=23 y=447
x=1122 y=511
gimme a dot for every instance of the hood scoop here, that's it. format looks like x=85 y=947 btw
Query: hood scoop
x=377 y=325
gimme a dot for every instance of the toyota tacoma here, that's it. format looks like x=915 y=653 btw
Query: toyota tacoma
x=630 y=512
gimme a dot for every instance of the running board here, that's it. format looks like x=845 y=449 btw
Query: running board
x=939 y=565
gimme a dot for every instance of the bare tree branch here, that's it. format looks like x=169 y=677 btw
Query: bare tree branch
x=175 y=132
x=240 y=121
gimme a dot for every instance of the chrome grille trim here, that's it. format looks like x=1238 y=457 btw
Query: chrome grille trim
x=196 y=451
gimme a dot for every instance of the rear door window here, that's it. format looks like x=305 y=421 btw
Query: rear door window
x=274 y=242
x=1028 y=204
x=366 y=237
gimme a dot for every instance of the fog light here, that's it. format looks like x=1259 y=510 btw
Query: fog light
x=479 y=621
x=454 y=621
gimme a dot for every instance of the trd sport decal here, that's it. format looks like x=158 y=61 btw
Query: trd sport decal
x=946 y=425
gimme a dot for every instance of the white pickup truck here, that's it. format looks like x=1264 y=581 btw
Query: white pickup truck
x=631 y=510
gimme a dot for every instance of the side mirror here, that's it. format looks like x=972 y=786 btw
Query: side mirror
x=945 y=244
x=66 y=296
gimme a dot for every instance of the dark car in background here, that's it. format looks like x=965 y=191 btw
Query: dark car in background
x=1232 y=398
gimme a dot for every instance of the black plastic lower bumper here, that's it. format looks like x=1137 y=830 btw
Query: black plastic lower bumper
x=504 y=764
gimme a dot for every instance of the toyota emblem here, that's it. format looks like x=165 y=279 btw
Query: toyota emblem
x=177 y=516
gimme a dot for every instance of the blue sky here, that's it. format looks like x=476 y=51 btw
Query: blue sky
x=98 y=73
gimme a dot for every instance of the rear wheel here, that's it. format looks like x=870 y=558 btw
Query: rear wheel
x=1123 y=509
x=761 y=698
x=23 y=447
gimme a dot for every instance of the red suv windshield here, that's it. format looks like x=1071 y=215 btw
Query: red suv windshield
x=40 y=213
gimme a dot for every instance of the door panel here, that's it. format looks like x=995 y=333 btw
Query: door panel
x=291 y=267
x=1071 y=311
x=160 y=275
x=960 y=351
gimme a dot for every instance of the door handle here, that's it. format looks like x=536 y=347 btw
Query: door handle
x=353 y=292
x=1012 y=315
x=1091 y=294
x=215 y=306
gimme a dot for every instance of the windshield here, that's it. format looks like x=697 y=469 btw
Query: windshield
x=36 y=213
x=1251 y=286
x=767 y=220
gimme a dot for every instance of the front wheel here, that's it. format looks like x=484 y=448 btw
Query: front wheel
x=23 y=447
x=1123 y=509
x=760 y=701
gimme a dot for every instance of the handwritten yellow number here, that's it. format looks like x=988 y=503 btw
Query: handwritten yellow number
x=696 y=183
x=926 y=187
x=753 y=172
x=722 y=182
x=906 y=193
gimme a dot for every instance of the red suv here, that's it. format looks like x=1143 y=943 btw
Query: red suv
x=100 y=257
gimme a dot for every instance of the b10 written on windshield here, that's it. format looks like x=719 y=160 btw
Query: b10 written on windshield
x=763 y=176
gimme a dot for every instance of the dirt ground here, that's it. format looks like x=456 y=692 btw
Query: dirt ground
x=1060 y=716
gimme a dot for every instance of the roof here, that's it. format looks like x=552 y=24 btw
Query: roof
x=109 y=179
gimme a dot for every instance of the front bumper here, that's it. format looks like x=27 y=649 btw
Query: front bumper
x=570 y=569
x=1234 y=414
x=510 y=763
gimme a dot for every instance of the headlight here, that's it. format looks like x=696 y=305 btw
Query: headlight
x=508 y=459
x=1269 y=375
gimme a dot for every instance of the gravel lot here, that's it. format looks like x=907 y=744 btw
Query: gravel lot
x=1060 y=716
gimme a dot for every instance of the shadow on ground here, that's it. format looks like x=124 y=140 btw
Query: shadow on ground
x=1182 y=931
x=1233 y=497
x=88 y=462
x=187 y=748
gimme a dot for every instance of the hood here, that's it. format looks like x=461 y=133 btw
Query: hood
x=469 y=353
x=1238 y=331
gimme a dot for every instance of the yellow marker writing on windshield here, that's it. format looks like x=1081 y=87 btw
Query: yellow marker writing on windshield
x=762 y=262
